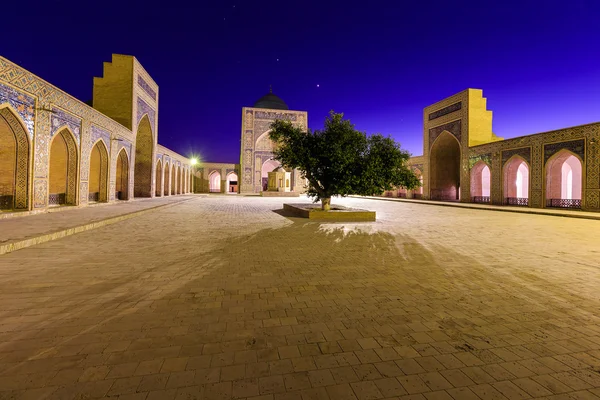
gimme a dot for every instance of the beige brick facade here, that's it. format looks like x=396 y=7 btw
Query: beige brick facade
x=62 y=151
x=458 y=141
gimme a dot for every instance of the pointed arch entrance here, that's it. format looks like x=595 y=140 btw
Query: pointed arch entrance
x=63 y=161
x=444 y=161
x=516 y=182
x=157 y=180
x=178 y=179
x=144 y=145
x=268 y=166
x=418 y=192
x=232 y=182
x=480 y=183
x=214 y=182
x=122 y=176
x=14 y=162
x=98 y=177
x=173 y=177
x=166 y=182
x=564 y=180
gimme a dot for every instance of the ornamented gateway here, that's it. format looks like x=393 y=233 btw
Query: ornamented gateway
x=464 y=161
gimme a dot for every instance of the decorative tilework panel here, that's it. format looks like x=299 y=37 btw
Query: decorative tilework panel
x=453 y=127
x=524 y=152
x=99 y=133
x=273 y=115
x=575 y=146
x=144 y=85
x=143 y=108
x=40 y=194
x=22 y=103
x=486 y=158
x=446 y=110
x=61 y=118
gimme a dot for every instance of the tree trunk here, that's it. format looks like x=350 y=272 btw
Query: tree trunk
x=326 y=204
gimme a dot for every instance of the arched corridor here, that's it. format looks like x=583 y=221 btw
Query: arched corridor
x=444 y=158
x=232 y=182
x=268 y=166
x=98 y=177
x=179 y=180
x=122 y=176
x=14 y=162
x=480 y=183
x=563 y=180
x=62 y=179
x=157 y=179
x=172 y=180
x=516 y=182
x=144 y=144
x=418 y=193
x=166 y=181
x=214 y=182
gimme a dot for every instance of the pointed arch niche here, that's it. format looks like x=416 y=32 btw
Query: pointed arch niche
x=516 y=182
x=564 y=178
x=444 y=161
x=98 y=176
x=63 y=165
x=14 y=162
x=480 y=182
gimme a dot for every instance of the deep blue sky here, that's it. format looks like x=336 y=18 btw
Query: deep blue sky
x=379 y=62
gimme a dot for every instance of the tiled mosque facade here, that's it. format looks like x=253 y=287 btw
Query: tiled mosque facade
x=57 y=150
x=464 y=161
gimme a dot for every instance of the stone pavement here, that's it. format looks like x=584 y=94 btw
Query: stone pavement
x=557 y=212
x=223 y=297
x=20 y=232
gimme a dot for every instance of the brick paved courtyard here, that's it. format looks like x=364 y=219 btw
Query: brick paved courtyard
x=221 y=297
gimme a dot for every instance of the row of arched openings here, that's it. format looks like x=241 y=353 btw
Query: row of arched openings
x=64 y=164
x=563 y=177
x=214 y=182
x=172 y=179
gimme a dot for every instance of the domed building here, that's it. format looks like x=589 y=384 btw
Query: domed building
x=271 y=101
x=256 y=153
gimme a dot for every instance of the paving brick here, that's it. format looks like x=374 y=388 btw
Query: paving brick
x=396 y=309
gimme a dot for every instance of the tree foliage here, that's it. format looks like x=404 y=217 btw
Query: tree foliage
x=339 y=160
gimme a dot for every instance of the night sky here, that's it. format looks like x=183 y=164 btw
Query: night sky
x=380 y=62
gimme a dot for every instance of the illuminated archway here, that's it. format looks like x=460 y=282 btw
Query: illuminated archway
x=172 y=179
x=232 y=182
x=144 y=144
x=564 y=180
x=179 y=180
x=14 y=161
x=480 y=183
x=166 y=183
x=268 y=166
x=516 y=182
x=98 y=176
x=157 y=180
x=214 y=182
x=444 y=159
x=62 y=179
x=122 y=176
x=418 y=192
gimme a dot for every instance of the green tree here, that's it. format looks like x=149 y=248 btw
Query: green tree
x=339 y=160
